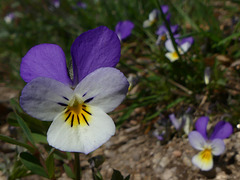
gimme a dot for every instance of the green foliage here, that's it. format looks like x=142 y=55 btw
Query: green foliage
x=118 y=176
x=33 y=164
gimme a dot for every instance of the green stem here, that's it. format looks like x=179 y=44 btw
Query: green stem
x=169 y=30
x=77 y=166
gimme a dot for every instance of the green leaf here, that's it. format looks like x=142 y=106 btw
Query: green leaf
x=186 y=17
x=12 y=120
x=39 y=138
x=15 y=105
x=174 y=103
x=34 y=124
x=25 y=129
x=97 y=176
x=228 y=39
x=117 y=175
x=13 y=141
x=33 y=164
x=69 y=171
x=50 y=164
x=127 y=178
x=18 y=171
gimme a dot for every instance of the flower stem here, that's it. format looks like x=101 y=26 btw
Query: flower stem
x=77 y=166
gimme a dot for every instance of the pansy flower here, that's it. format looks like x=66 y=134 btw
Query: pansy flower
x=184 y=122
x=9 y=17
x=123 y=29
x=183 y=46
x=76 y=106
x=56 y=3
x=208 y=145
x=153 y=16
x=163 y=33
x=81 y=4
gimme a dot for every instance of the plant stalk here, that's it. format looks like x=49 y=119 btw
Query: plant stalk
x=77 y=166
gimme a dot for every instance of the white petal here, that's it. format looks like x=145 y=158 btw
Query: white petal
x=153 y=15
x=81 y=138
x=147 y=23
x=172 y=56
x=185 y=46
x=217 y=146
x=204 y=164
x=107 y=86
x=45 y=98
x=196 y=140
x=169 y=46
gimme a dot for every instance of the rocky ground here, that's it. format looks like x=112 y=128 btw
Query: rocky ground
x=132 y=152
x=135 y=151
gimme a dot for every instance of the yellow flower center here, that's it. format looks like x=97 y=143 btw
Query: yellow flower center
x=206 y=154
x=77 y=113
x=175 y=55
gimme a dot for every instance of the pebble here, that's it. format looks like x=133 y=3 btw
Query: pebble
x=187 y=161
x=164 y=161
x=177 y=153
x=167 y=174
x=156 y=158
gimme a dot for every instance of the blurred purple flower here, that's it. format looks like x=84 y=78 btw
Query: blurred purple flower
x=208 y=145
x=164 y=8
x=153 y=16
x=9 y=17
x=183 y=122
x=182 y=41
x=124 y=29
x=56 y=3
x=78 y=107
x=81 y=4
x=163 y=33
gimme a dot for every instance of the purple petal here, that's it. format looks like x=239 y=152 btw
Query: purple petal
x=196 y=140
x=81 y=5
x=164 y=8
x=161 y=30
x=222 y=130
x=217 y=146
x=94 y=49
x=45 y=60
x=174 y=28
x=188 y=39
x=174 y=121
x=168 y=17
x=45 y=98
x=104 y=88
x=201 y=126
x=56 y=3
x=124 y=29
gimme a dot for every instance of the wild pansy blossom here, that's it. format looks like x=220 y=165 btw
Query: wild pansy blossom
x=153 y=16
x=56 y=3
x=76 y=106
x=183 y=46
x=208 y=145
x=123 y=29
x=163 y=33
x=9 y=17
x=183 y=122
x=81 y=4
